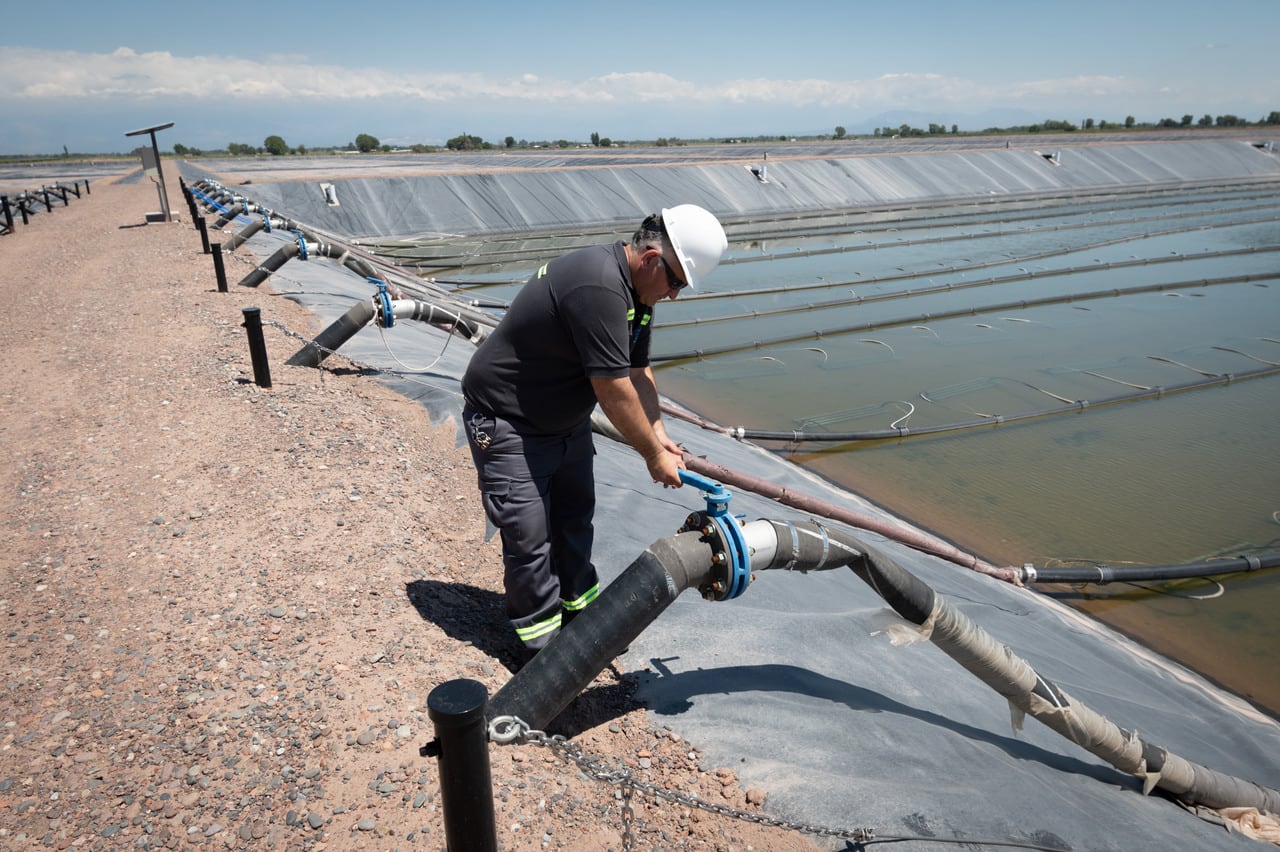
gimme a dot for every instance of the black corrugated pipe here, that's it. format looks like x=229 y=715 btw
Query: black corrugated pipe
x=339 y=332
x=559 y=672
x=238 y=239
x=997 y=666
x=271 y=264
x=1103 y=574
x=234 y=209
x=314 y=248
x=362 y=313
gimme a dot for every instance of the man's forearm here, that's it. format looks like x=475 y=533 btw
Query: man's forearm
x=624 y=405
x=647 y=390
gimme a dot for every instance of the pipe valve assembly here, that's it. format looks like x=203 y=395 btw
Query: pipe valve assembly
x=730 y=559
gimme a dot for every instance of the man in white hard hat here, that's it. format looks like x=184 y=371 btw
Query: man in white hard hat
x=576 y=334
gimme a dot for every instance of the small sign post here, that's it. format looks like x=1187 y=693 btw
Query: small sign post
x=151 y=164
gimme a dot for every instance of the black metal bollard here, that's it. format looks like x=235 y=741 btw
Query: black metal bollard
x=218 y=269
x=203 y=228
x=86 y=187
x=8 y=214
x=257 y=347
x=457 y=709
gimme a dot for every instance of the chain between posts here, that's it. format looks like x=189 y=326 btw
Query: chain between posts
x=288 y=332
x=508 y=730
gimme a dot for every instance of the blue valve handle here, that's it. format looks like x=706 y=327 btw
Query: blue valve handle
x=717 y=495
x=698 y=481
x=735 y=542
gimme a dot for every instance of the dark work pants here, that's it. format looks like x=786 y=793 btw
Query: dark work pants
x=539 y=491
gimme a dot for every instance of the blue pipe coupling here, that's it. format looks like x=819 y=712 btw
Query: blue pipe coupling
x=730 y=556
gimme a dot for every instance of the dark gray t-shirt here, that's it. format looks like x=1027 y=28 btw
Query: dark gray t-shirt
x=576 y=319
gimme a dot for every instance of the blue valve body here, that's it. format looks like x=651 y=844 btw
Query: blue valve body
x=382 y=303
x=735 y=542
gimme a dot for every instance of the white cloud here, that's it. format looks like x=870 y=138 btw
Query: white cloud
x=37 y=75
x=83 y=98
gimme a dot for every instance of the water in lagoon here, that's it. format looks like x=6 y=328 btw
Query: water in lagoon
x=858 y=322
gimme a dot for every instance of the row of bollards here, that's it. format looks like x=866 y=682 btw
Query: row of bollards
x=27 y=203
x=457 y=708
x=252 y=316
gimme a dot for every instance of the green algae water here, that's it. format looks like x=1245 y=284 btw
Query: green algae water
x=1142 y=330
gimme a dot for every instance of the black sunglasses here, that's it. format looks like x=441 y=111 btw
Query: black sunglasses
x=672 y=281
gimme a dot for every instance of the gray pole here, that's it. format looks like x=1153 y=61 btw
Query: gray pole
x=155 y=150
x=164 y=195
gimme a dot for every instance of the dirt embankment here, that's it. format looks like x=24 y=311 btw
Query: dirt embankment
x=225 y=606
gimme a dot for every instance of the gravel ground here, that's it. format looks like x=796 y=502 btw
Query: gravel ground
x=224 y=606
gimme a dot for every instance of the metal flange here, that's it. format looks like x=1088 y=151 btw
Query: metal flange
x=731 y=561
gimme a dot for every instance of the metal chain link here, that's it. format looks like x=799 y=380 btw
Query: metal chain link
x=506 y=730
x=288 y=332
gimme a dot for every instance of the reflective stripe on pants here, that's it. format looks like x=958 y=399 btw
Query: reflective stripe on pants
x=539 y=492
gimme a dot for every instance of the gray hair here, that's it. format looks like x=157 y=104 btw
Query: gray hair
x=651 y=233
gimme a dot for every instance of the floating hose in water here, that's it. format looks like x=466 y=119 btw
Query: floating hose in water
x=1020 y=304
x=1103 y=574
x=897 y=432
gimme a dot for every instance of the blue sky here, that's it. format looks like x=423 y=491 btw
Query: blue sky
x=80 y=74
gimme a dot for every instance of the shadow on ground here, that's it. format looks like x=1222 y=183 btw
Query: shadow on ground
x=476 y=617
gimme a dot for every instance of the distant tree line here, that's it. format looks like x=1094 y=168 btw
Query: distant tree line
x=366 y=143
x=1054 y=126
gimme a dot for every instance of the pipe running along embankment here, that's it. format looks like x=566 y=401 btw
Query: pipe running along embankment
x=688 y=560
x=537 y=693
x=363 y=313
x=388 y=305
x=304 y=248
x=895 y=531
x=360 y=261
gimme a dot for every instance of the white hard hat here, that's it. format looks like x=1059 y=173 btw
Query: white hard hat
x=698 y=240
